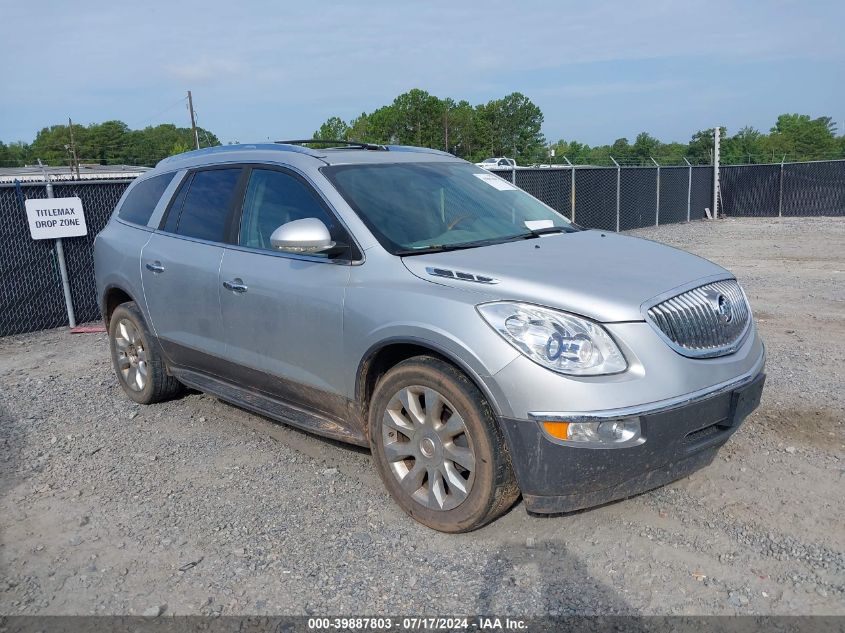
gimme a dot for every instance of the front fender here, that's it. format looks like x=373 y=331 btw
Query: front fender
x=431 y=316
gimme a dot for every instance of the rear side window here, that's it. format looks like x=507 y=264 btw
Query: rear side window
x=205 y=211
x=142 y=200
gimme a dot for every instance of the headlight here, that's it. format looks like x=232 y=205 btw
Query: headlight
x=556 y=340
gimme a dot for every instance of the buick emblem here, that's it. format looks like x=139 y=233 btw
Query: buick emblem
x=724 y=309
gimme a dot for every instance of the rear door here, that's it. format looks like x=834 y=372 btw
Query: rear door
x=283 y=313
x=180 y=267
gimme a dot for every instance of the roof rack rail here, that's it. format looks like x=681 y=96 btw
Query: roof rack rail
x=324 y=141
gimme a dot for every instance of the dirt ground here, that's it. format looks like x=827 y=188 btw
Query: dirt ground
x=194 y=506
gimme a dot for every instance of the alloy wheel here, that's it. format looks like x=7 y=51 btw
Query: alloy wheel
x=131 y=355
x=428 y=447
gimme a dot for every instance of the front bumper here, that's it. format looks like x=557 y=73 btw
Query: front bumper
x=681 y=436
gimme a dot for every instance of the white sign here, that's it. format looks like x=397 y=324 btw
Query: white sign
x=494 y=181
x=50 y=218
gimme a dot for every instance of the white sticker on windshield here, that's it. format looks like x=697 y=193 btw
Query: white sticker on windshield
x=494 y=181
x=536 y=225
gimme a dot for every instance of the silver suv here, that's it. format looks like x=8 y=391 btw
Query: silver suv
x=480 y=344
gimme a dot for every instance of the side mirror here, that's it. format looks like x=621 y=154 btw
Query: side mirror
x=308 y=236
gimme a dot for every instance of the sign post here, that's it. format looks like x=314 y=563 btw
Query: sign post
x=55 y=218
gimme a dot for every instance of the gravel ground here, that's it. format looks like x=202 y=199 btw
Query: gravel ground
x=194 y=506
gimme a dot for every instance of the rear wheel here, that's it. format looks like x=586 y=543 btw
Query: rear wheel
x=438 y=448
x=136 y=358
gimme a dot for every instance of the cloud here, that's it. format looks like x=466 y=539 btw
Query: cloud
x=204 y=69
x=602 y=89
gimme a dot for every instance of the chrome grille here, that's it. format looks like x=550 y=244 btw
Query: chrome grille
x=707 y=321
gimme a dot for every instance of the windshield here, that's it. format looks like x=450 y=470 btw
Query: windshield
x=490 y=161
x=420 y=207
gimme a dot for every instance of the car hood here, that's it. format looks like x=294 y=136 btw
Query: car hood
x=604 y=276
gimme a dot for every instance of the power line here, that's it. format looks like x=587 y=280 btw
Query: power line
x=157 y=114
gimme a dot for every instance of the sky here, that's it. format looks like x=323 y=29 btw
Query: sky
x=276 y=69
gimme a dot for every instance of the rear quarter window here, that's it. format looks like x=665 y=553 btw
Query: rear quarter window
x=141 y=201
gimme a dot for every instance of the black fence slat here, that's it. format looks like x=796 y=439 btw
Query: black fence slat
x=749 y=190
x=674 y=182
x=638 y=197
x=814 y=189
x=701 y=196
x=31 y=295
x=595 y=198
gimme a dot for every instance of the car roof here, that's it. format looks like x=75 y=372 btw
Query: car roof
x=287 y=153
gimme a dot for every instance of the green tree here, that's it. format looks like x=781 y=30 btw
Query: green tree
x=744 y=146
x=645 y=147
x=799 y=137
x=335 y=129
x=700 y=147
x=621 y=150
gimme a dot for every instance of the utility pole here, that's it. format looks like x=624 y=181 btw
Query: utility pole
x=446 y=126
x=75 y=159
x=193 y=120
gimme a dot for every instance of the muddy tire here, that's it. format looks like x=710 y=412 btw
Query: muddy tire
x=438 y=447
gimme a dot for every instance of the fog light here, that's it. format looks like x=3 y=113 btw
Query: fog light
x=604 y=433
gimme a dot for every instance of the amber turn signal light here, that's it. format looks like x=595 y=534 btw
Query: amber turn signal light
x=560 y=430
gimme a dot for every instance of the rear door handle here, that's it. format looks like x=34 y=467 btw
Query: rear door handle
x=237 y=285
x=156 y=267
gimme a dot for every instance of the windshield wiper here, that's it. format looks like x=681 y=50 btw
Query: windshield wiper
x=442 y=248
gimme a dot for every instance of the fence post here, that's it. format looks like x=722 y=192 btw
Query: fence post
x=780 y=195
x=60 y=255
x=618 y=189
x=689 y=187
x=571 y=186
x=657 y=206
x=715 y=173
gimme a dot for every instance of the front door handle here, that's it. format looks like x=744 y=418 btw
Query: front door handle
x=156 y=267
x=237 y=285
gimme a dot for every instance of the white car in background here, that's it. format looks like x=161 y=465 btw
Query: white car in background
x=497 y=163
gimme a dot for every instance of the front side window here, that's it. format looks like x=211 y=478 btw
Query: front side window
x=141 y=201
x=274 y=198
x=419 y=207
x=207 y=203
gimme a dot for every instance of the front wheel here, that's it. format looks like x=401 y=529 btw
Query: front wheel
x=438 y=448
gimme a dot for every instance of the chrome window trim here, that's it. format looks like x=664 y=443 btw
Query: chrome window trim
x=279 y=167
x=653 y=407
x=260 y=251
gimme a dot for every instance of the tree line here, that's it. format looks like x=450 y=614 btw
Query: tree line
x=107 y=143
x=793 y=138
x=510 y=126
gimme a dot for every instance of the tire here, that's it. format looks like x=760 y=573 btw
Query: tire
x=135 y=352
x=427 y=415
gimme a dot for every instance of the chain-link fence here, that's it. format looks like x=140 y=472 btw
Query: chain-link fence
x=606 y=198
x=31 y=296
x=620 y=198
x=788 y=189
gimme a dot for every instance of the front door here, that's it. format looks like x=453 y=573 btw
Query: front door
x=282 y=313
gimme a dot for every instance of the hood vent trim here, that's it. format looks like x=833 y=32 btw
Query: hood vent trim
x=461 y=276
